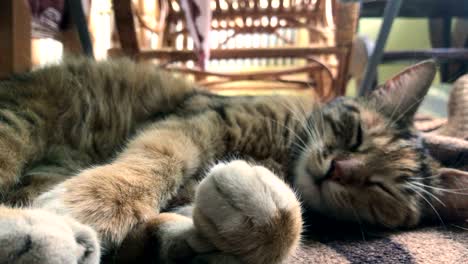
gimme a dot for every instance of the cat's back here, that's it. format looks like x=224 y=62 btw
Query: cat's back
x=256 y=126
x=118 y=81
x=254 y=106
x=83 y=102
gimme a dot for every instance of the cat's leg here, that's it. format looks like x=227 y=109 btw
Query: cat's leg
x=37 y=236
x=242 y=214
x=116 y=197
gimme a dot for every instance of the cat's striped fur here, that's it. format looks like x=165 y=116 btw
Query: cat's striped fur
x=111 y=145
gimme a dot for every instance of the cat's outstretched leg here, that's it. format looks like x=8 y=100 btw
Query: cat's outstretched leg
x=36 y=236
x=116 y=197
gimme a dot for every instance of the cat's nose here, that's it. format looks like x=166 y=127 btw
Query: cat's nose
x=344 y=170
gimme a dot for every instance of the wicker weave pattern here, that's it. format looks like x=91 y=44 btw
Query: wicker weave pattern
x=321 y=61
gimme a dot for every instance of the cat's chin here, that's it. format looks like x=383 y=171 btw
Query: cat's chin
x=318 y=197
x=309 y=191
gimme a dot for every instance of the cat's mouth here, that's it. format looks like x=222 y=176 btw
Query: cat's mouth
x=332 y=173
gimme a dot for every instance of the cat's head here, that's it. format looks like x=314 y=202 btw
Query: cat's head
x=362 y=160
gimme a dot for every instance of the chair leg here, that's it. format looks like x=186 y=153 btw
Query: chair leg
x=15 y=37
x=125 y=25
x=390 y=12
x=447 y=35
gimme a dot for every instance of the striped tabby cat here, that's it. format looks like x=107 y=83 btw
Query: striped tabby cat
x=99 y=154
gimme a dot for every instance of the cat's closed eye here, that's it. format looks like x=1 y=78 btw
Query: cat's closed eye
x=357 y=139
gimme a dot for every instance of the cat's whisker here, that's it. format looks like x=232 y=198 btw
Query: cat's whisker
x=301 y=116
x=413 y=187
x=294 y=133
x=308 y=129
x=300 y=144
x=341 y=198
x=308 y=126
x=313 y=131
x=432 y=206
x=454 y=191
x=302 y=148
x=391 y=121
x=322 y=121
x=336 y=197
x=424 y=178
x=356 y=215
x=461 y=227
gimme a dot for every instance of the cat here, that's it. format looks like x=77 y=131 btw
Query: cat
x=108 y=156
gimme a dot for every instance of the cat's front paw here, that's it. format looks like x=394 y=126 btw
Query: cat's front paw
x=36 y=236
x=248 y=212
x=103 y=199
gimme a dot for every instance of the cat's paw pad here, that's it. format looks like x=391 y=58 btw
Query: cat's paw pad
x=36 y=236
x=247 y=211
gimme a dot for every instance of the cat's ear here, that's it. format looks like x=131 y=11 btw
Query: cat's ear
x=453 y=195
x=401 y=96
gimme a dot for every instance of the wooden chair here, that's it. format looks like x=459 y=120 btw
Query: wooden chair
x=321 y=62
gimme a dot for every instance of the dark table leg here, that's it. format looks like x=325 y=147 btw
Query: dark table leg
x=79 y=20
x=447 y=31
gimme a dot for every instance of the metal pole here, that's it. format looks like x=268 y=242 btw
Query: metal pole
x=391 y=11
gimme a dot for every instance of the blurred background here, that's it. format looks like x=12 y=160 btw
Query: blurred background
x=316 y=47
